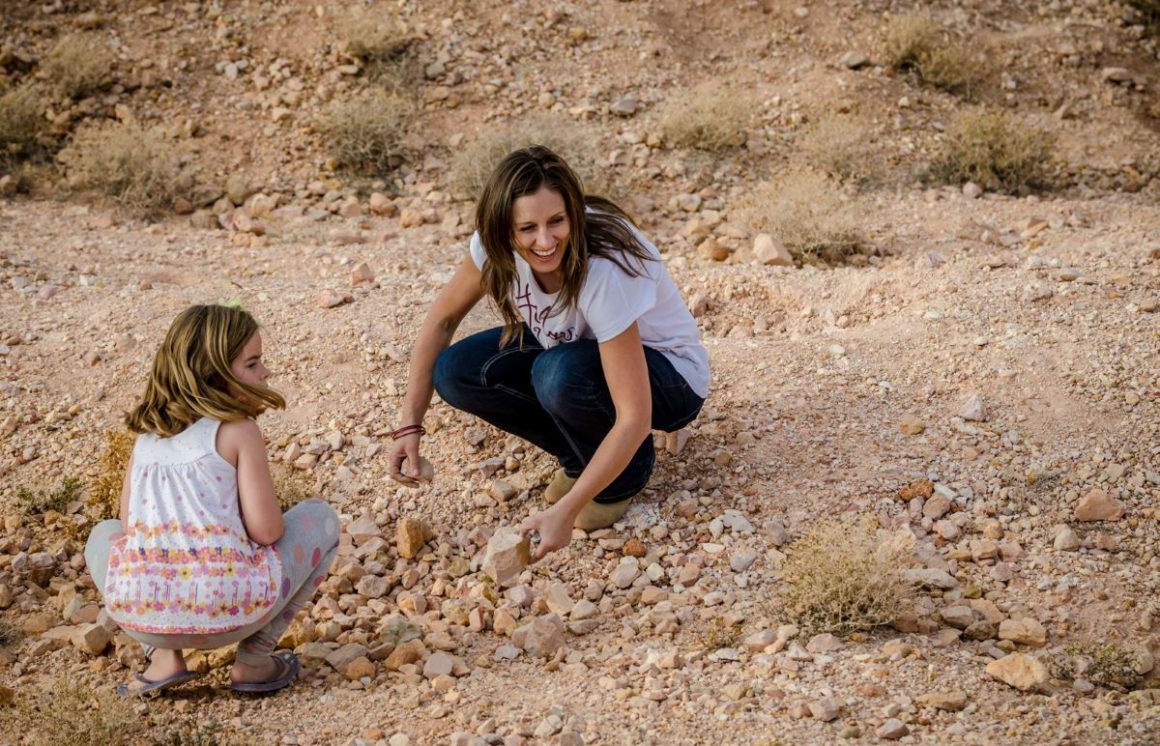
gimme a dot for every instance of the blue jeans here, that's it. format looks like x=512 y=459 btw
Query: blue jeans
x=558 y=399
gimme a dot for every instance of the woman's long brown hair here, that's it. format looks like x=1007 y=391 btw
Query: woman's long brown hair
x=191 y=375
x=605 y=231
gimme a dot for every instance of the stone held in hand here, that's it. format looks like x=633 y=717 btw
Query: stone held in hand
x=508 y=553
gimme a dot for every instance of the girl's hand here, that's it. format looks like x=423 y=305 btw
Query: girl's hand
x=554 y=526
x=417 y=469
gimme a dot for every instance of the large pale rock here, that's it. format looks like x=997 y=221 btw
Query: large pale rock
x=973 y=409
x=403 y=654
x=543 y=636
x=769 y=251
x=1020 y=671
x=930 y=577
x=344 y=656
x=1098 y=505
x=952 y=701
x=410 y=536
x=1026 y=631
x=508 y=553
x=91 y=639
x=439 y=664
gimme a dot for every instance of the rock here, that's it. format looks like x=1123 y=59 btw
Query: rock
x=959 y=617
x=410 y=536
x=381 y=204
x=372 y=586
x=1066 y=539
x=971 y=190
x=973 y=409
x=625 y=106
x=1117 y=75
x=1026 y=631
x=332 y=299
x=439 y=664
x=543 y=636
x=91 y=639
x=363 y=530
x=634 y=547
x=508 y=553
x=1098 y=505
x=624 y=573
x=1020 y=671
x=362 y=274
x=404 y=654
x=892 y=730
x=359 y=668
x=952 y=701
x=558 y=600
x=855 y=59
x=341 y=658
x=930 y=578
x=824 y=643
x=911 y=426
x=825 y=709
x=769 y=251
x=742 y=559
x=759 y=641
x=936 y=507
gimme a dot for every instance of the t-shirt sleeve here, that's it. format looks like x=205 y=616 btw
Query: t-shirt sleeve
x=477 y=253
x=612 y=300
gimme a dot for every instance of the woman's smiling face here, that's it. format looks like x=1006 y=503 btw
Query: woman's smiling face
x=541 y=229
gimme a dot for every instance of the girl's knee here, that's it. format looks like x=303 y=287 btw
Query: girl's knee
x=321 y=516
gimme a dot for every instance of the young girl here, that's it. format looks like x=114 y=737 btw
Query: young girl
x=202 y=556
x=596 y=350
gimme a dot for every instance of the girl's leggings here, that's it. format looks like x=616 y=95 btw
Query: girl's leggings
x=309 y=525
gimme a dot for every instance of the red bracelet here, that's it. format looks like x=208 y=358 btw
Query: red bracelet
x=408 y=430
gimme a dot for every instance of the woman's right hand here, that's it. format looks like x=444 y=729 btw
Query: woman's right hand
x=406 y=466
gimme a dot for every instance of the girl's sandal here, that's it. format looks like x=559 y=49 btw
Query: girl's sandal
x=141 y=685
x=287 y=669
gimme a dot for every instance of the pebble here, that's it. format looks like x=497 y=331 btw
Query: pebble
x=892 y=730
x=508 y=553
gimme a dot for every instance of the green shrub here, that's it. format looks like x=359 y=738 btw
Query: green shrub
x=364 y=133
x=841 y=579
x=918 y=44
x=988 y=148
x=807 y=214
x=132 y=166
x=80 y=65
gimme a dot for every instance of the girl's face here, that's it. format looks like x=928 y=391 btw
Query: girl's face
x=540 y=225
x=248 y=367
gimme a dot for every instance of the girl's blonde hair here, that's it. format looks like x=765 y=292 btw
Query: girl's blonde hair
x=191 y=375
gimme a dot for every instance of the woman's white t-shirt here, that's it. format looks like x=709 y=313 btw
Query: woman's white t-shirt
x=609 y=302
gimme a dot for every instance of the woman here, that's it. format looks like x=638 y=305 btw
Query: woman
x=597 y=347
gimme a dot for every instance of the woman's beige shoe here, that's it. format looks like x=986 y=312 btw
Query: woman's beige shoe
x=558 y=487
x=596 y=515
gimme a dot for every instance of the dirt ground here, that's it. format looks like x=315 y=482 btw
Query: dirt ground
x=834 y=388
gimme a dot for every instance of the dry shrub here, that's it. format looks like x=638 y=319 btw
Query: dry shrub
x=104 y=500
x=70 y=713
x=379 y=40
x=197 y=734
x=21 y=124
x=132 y=166
x=807 y=214
x=1104 y=664
x=473 y=162
x=842 y=579
x=990 y=149
x=291 y=486
x=718 y=634
x=840 y=148
x=917 y=43
x=364 y=133
x=80 y=65
x=1149 y=9
x=712 y=118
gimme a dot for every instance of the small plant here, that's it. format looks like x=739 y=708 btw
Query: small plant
x=917 y=43
x=478 y=157
x=988 y=148
x=717 y=634
x=8 y=633
x=39 y=501
x=841 y=579
x=71 y=713
x=132 y=166
x=840 y=148
x=20 y=124
x=80 y=65
x=710 y=118
x=197 y=734
x=365 y=133
x=1105 y=664
x=807 y=214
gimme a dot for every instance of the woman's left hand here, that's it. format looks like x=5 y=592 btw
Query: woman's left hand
x=554 y=526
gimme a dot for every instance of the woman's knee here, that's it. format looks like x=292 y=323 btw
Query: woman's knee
x=567 y=375
x=449 y=376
